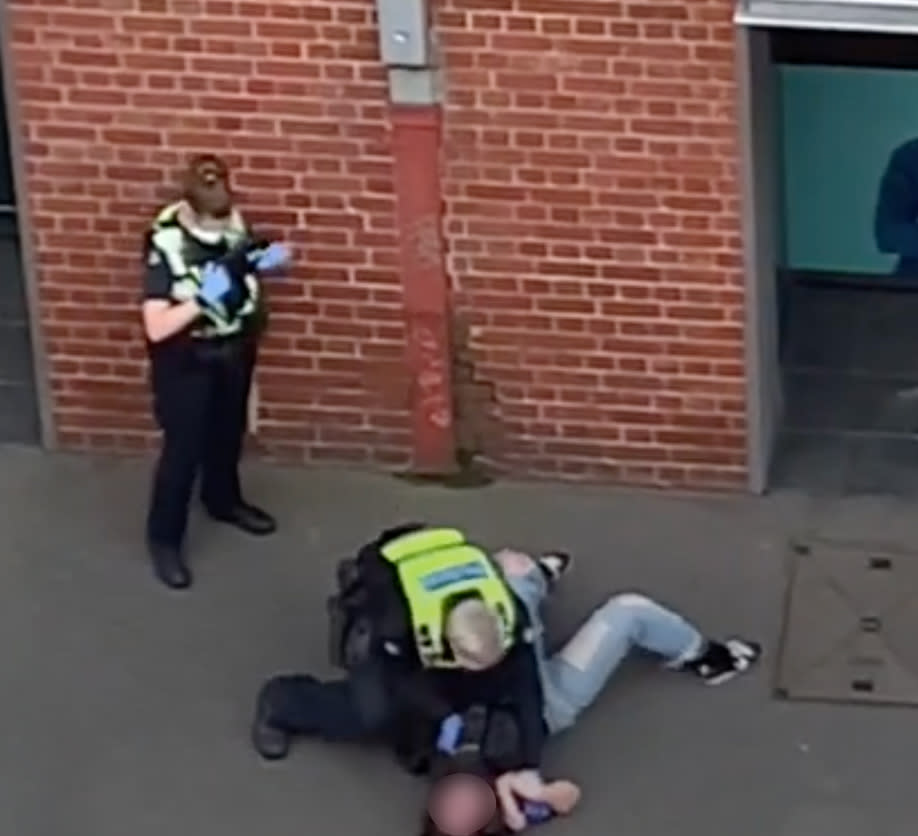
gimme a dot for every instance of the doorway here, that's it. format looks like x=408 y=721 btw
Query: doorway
x=844 y=404
x=19 y=412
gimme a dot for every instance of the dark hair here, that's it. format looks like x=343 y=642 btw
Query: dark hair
x=206 y=185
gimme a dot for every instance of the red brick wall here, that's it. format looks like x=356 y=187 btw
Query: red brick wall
x=114 y=95
x=592 y=219
x=593 y=222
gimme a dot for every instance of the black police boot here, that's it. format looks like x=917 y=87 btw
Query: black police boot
x=169 y=566
x=248 y=518
x=272 y=743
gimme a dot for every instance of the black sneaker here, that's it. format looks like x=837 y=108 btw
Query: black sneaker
x=555 y=565
x=721 y=661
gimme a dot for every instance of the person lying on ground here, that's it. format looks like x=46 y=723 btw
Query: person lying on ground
x=478 y=785
x=392 y=694
x=465 y=805
x=572 y=678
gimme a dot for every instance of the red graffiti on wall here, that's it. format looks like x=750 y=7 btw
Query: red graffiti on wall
x=431 y=378
x=426 y=243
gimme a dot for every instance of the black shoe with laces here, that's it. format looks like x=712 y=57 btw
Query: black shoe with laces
x=722 y=661
x=555 y=565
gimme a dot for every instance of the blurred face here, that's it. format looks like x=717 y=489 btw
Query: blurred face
x=461 y=805
x=209 y=191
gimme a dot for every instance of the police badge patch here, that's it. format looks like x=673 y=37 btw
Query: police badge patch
x=154 y=259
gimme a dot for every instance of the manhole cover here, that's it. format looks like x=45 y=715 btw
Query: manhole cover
x=850 y=623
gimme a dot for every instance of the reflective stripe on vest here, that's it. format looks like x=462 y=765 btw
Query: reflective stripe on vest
x=437 y=566
x=169 y=238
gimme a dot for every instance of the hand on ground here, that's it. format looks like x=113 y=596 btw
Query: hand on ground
x=563 y=796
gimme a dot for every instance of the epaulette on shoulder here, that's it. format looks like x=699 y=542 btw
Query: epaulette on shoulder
x=167 y=216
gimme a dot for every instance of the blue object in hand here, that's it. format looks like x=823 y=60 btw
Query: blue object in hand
x=450 y=734
x=215 y=284
x=537 y=812
x=274 y=257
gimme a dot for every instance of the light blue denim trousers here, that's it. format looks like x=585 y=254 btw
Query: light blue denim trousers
x=574 y=677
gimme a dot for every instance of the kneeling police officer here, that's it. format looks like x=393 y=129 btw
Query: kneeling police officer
x=202 y=313
x=426 y=627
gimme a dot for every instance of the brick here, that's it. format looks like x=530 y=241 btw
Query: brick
x=591 y=220
x=165 y=95
x=609 y=224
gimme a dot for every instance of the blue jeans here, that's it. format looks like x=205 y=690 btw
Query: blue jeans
x=574 y=677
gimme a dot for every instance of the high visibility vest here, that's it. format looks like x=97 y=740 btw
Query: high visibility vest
x=171 y=241
x=437 y=567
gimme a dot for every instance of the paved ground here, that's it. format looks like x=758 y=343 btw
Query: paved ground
x=126 y=708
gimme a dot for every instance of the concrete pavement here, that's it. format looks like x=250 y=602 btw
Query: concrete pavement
x=126 y=708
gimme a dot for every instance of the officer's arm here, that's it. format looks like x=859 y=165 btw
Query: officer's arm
x=418 y=695
x=527 y=696
x=162 y=318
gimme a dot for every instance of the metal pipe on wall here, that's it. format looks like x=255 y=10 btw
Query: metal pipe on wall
x=409 y=54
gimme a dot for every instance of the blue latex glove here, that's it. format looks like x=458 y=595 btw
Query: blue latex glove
x=537 y=812
x=215 y=284
x=274 y=257
x=450 y=734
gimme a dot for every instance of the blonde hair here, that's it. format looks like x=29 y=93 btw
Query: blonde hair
x=474 y=633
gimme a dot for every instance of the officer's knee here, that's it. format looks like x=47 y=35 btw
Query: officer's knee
x=281 y=696
x=272 y=690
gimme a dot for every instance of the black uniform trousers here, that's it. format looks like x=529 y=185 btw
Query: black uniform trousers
x=200 y=399
x=351 y=709
x=359 y=709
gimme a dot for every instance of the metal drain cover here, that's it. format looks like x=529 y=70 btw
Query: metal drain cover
x=851 y=625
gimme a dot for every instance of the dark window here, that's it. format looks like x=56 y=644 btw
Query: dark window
x=843 y=49
x=7 y=196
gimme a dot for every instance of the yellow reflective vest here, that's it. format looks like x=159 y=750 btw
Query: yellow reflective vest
x=172 y=242
x=437 y=567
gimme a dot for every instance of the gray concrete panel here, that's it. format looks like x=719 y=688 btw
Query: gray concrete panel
x=126 y=708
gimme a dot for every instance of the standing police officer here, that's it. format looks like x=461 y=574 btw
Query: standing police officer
x=202 y=315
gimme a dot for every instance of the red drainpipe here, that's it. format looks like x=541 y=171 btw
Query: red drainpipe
x=416 y=133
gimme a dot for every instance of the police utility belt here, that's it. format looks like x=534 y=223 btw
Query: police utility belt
x=435 y=568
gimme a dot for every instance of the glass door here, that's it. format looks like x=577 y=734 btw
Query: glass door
x=19 y=421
